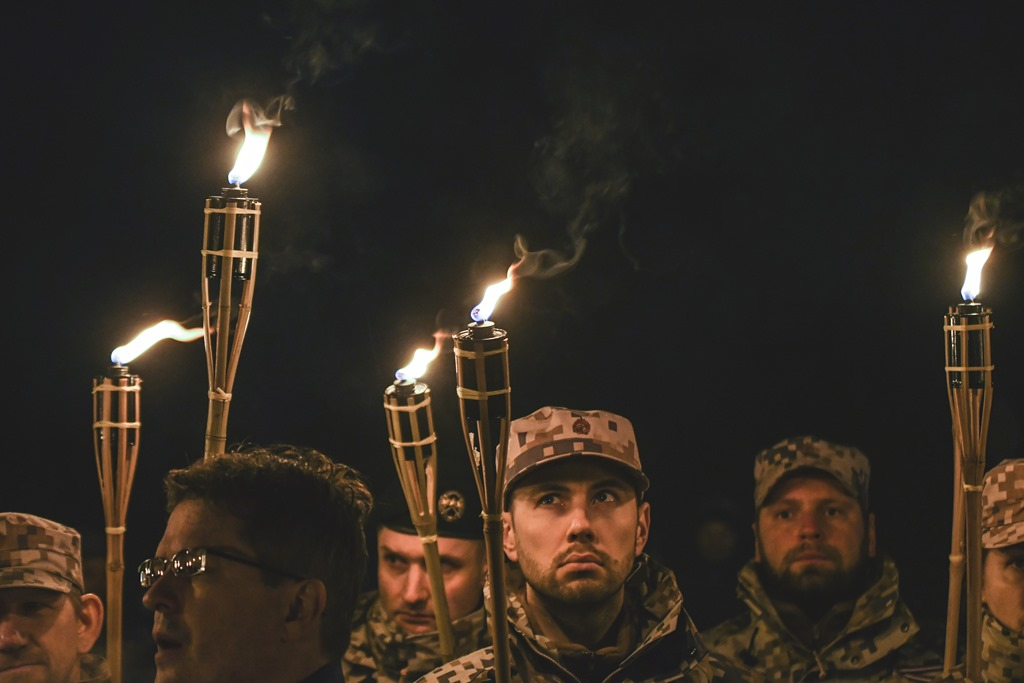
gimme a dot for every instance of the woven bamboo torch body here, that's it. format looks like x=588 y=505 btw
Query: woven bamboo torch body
x=116 y=400
x=413 y=448
x=969 y=367
x=230 y=245
x=481 y=363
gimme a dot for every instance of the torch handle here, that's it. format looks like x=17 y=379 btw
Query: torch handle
x=499 y=611
x=956 y=564
x=115 y=583
x=439 y=597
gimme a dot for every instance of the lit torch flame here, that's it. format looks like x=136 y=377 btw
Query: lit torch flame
x=165 y=329
x=483 y=310
x=421 y=360
x=257 y=135
x=972 y=281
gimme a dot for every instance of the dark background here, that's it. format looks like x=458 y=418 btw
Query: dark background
x=771 y=202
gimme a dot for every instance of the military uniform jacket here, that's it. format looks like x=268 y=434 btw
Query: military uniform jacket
x=668 y=647
x=877 y=642
x=1002 y=651
x=381 y=651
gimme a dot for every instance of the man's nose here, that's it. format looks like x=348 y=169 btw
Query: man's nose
x=11 y=638
x=810 y=525
x=580 y=526
x=417 y=586
x=162 y=596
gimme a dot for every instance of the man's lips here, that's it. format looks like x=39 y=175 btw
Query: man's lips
x=580 y=561
x=416 y=618
x=165 y=641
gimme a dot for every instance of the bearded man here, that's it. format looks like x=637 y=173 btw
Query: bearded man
x=823 y=602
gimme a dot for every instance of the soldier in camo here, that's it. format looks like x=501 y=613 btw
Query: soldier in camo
x=584 y=601
x=1002 y=536
x=394 y=633
x=48 y=623
x=822 y=603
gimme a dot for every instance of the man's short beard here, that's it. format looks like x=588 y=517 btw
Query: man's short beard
x=816 y=590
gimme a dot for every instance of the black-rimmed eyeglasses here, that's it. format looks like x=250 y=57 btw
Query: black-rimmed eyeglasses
x=191 y=562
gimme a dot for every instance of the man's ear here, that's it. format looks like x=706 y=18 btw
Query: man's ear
x=306 y=605
x=90 y=624
x=508 y=537
x=643 y=528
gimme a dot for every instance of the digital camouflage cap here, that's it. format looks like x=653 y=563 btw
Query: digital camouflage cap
x=1002 y=505
x=847 y=464
x=39 y=553
x=553 y=433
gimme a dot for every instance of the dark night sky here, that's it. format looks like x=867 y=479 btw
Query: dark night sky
x=772 y=201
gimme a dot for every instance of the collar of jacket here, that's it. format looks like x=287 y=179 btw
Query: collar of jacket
x=878 y=606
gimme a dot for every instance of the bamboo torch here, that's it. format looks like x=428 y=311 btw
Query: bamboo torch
x=413 y=448
x=230 y=249
x=116 y=424
x=481 y=364
x=969 y=368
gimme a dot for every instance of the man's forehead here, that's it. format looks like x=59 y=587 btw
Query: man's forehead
x=16 y=594
x=195 y=523
x=576 y=471
x=805 y=481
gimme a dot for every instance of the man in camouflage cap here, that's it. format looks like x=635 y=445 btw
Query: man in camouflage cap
x=1002 y=536
x=584 y=601
x=823 y=603
x=394 y=632
x=48 y=623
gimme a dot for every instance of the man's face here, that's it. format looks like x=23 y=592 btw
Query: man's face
x=224 y=624
x=812 y=539
x=404 y=584
x=575 y=527
x=41 y=637
x=1003 y=585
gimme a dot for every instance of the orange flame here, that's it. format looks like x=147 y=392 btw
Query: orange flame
x=165 y=329
x=257 y=135
x=972 y=281
x=421 y=359
x=483 y=310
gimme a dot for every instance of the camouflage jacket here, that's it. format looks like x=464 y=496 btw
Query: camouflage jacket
x=876 y=644
x=381 y=651
x=94 y=669
x=1002 y=651
x=667 y=648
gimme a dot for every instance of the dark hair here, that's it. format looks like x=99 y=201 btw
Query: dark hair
x=300 y=511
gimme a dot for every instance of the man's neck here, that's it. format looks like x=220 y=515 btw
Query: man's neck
x=585 y=625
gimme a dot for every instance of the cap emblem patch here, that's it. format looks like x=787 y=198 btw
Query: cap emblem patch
x=451 y=506
x=581 y=426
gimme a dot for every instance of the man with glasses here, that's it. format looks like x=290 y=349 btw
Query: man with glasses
x=48 y=623
x=259 y=568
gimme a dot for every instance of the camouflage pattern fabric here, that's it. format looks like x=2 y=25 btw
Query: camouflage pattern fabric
x=39 y=553
x=845 y=463
x=553 y=433
x=94 y=670
x=381 y=651
x=1002 y=504
x=667 y=647
x=877 y=643
x=1002 y=651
